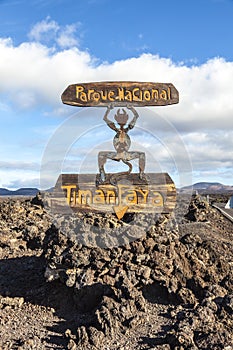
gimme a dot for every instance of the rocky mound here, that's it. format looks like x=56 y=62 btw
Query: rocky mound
x=23 y=224
x=168 y=285
x=181 y=267
x=198 y=210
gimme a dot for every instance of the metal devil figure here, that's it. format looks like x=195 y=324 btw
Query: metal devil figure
x=121 y=143
x=126 y=191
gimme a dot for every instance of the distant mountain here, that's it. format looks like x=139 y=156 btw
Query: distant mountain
x=19 y=192
x=209 y=187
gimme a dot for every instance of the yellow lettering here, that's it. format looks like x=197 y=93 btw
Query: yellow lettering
x=169 y=93
x=68 y=189
x=99 y=197
x=111 y=195
x=146 y=95
x=121 y=95
x=96 y=96
x=104 y=95
x=144 y=194
x=79 y=89
x=131 y=198
x=83 y=96
x=163 y=95
x=155 y=94
x=137 y=97
x=83 y=196
x=157 y=201
x=74 y=200
x=128 y=95
x=89 y=93
x=111 y=95
x=120 y=191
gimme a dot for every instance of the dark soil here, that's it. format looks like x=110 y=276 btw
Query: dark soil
x=169 y=287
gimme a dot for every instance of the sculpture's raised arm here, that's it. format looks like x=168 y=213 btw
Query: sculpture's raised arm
x=108 y=121
x=133 y=121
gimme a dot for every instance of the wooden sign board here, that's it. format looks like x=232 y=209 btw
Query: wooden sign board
x=120 y=94
x=80 y=192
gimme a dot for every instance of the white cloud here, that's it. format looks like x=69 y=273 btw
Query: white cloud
x=45 y=29
x=49 y=31
x=67 y=37
x=23 y=181
x=13 y=165
x=32 y=73
x=4 y=107
x=17 y=178
x=35 y=74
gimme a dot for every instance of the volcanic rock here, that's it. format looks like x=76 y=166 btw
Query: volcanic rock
x=113 y=285
x=163 y=284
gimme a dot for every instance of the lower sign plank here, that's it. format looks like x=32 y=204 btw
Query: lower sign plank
x=80 y=192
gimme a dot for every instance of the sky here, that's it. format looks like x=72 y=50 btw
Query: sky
x=45 y=45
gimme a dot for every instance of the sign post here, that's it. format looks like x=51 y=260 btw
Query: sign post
x=119 y=192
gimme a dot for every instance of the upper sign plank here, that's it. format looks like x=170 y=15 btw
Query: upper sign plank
x=120 y=93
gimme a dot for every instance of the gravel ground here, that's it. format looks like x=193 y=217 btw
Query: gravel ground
x=185 y=302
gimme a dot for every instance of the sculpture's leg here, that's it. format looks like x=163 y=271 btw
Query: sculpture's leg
x=102 y=158
x=142 y=163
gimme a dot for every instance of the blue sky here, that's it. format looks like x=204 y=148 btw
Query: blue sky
x=182 y=30
x=46 y=45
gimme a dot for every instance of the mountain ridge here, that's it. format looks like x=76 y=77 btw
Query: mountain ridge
x=24 y=191
x=205 y=186
x=202 y=186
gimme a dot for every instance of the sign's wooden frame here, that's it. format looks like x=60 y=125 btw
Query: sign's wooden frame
x=120 y=93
